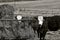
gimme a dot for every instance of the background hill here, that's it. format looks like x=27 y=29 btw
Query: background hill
x=45 y=5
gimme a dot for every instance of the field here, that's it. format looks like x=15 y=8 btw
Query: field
x=45 y=5
x=37 y=5
x=51 y=35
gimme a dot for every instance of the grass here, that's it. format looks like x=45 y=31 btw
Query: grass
x=53 y=35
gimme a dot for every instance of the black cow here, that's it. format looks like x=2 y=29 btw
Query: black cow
x=43 y=29
x=50 y=23
x=40 y=29
x=53 y=23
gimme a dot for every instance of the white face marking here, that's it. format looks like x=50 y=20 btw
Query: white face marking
x=19 y=17
x=40 y=18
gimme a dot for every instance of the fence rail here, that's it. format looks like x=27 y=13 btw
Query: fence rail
x=14 y=19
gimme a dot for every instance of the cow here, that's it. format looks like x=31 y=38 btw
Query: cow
x=49 y=24
x=39 y=25
x=43 y=27
x=54 y=23
x=25 y=30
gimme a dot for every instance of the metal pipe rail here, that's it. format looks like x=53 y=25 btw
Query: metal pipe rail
x=16 y=20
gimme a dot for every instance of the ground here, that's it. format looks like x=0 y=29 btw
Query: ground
x=51 y=35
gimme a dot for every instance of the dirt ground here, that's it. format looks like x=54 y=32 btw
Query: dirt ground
x=53 y=35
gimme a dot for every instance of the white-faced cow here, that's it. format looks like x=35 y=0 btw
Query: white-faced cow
x=40 y=25
x=25 y=30
x=43 y=27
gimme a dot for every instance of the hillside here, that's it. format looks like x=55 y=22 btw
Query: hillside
x=37 y=6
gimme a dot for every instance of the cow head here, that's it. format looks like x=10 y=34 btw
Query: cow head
x=19 y=17
x=40 y=19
